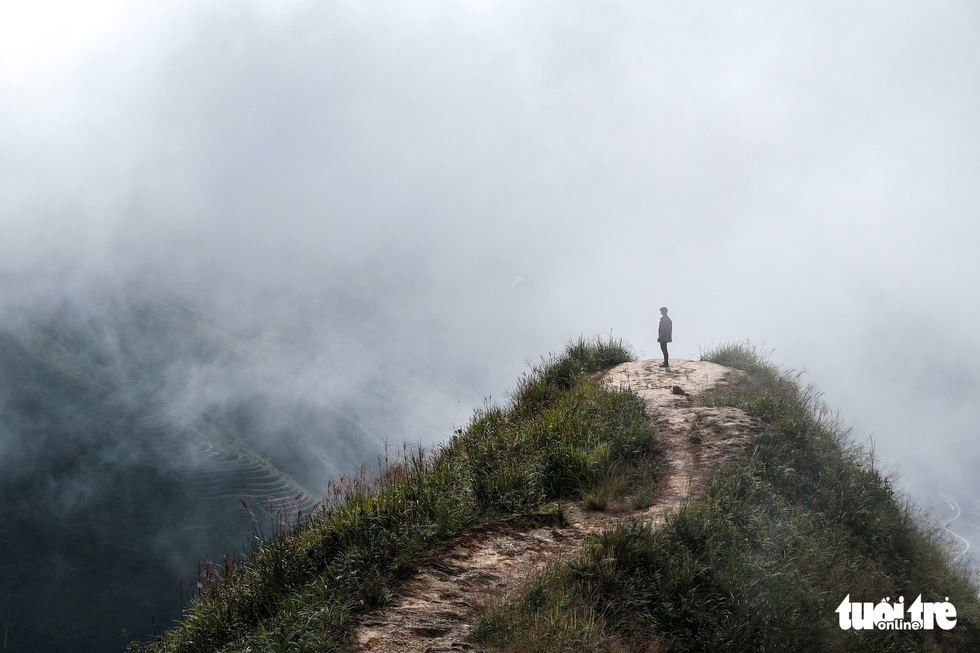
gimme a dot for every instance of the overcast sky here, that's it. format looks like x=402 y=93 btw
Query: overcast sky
x=492 y=179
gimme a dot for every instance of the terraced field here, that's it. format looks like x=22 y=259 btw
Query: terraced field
x=105 y=483
x=227 y=476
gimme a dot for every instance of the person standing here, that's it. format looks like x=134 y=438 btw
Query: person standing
x=663 y=337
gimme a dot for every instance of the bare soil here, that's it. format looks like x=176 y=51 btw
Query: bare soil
x=434 y=610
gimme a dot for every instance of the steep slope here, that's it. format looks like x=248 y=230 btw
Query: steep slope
x=434 y=610
x=606 y=507
x=784 y=550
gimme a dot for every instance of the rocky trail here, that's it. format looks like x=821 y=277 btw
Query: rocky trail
x=434 y=611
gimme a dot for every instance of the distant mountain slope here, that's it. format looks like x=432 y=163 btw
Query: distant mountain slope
x=130 y=432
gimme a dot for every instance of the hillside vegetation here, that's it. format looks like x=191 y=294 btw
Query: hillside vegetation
x=759 y=562
x=762 y=560
x=560 y=436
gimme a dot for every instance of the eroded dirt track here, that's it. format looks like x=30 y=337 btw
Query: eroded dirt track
x=433 y=612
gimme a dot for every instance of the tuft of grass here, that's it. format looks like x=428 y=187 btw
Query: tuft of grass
x=300 y=588
x=598 y=353
x=552 y=617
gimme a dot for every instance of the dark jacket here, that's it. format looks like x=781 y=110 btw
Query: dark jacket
x=665 y=328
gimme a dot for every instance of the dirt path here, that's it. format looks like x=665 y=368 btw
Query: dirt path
x=433 y=612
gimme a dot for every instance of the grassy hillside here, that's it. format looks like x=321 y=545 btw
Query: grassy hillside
x=762 y=561
x=759 y=563
x=560 y=436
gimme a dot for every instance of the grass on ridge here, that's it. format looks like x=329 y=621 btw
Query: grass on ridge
x=560 y=435
x=761 y=562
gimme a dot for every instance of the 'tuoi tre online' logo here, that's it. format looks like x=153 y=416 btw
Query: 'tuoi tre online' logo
x=921 y=615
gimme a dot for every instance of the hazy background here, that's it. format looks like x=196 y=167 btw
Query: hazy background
x=356 y=220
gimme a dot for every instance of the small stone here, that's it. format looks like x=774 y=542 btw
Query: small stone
x=429 y=631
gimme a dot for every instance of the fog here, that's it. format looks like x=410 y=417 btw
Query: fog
x=355 y=221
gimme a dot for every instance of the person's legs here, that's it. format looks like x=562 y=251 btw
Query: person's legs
x=663 y=348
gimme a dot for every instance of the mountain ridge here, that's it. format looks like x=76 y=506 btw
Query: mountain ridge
x=435 y=609
x=525 y=532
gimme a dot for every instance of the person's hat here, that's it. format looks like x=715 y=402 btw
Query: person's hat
x=663 y=308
